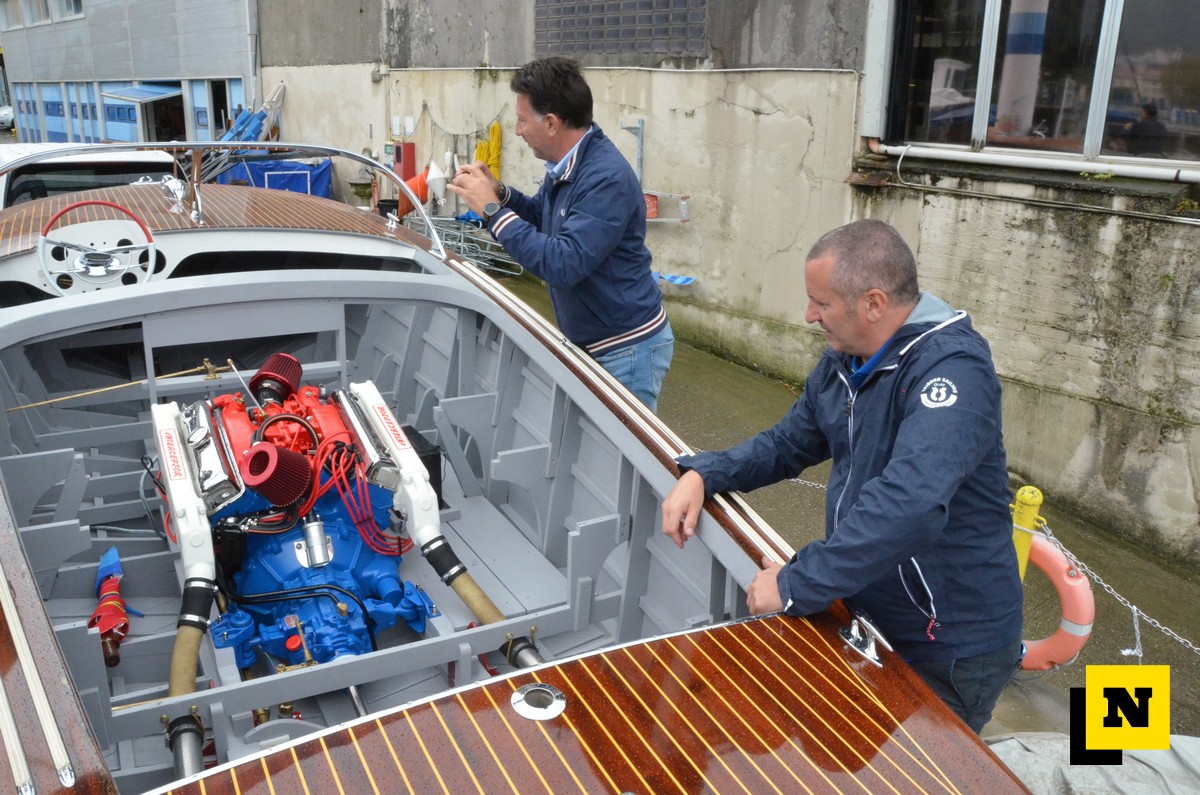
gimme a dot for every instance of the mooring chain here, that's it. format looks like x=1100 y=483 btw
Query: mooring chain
x=1138 y=615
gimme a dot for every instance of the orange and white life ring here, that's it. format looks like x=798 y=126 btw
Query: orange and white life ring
x=1078 y=609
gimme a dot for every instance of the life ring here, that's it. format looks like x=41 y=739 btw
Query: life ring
x=1078 y=609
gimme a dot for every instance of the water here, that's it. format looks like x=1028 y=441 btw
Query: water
x=712 y=404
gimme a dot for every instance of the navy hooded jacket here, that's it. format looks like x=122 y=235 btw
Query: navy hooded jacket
x=584 y=233
x=918 y=531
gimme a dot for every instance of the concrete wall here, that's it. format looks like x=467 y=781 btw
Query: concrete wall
x=792 y=33
x=1091 y=313
x=397 y=34
x=307 y=34
x=437 y=34
x=1094 y=320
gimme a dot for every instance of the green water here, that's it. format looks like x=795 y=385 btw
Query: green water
x=711 y=404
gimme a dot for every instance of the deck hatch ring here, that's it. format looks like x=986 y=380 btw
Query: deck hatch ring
x=539 y=701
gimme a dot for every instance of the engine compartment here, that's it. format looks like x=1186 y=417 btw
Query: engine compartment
x=306 y=539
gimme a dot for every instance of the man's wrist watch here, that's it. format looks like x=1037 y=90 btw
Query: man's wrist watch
x=490 y=209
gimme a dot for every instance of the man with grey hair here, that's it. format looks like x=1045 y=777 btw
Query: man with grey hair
x=918 y=533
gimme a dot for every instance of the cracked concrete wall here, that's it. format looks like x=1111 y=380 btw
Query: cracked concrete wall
x=396 y=33
x=761 y=155
x=1093 y=318
x=435 y=34
x=791 y=33
x=1092 y=315
x=308 y=34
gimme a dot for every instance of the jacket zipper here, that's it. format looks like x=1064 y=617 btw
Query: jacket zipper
x=837 y=508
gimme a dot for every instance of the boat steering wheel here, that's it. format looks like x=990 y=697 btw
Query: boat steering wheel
x=105 y=255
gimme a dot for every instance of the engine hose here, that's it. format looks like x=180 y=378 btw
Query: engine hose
x=481 y=606
x=455 y=574
x=184 y=656
x=193 y=622
x=186 y=734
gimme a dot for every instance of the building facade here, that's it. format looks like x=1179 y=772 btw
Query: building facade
x=128 y=70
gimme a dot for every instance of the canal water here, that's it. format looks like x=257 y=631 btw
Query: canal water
x=712 y=404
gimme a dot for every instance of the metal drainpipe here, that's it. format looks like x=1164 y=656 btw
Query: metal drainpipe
x=1162 y=173
x=252 y=38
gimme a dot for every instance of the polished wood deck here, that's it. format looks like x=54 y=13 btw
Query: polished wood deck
x=225 y=208
x=767 y=705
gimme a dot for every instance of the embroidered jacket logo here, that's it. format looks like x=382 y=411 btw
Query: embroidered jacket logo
x=939 y=393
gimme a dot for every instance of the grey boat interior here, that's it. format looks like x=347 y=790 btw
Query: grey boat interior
x=548 y=496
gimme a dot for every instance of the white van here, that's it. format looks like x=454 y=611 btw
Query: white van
x=77 y=171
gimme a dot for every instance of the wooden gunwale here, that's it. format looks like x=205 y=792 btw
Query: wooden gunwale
x=91 y=773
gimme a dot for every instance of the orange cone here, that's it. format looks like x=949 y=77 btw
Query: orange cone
x=418 y=186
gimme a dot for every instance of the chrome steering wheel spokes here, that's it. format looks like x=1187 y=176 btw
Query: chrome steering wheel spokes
x=92 y=254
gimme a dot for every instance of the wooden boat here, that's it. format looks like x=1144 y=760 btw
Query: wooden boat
x=295 y=391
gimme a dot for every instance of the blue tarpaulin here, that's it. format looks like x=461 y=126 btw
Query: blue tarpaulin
x=292 y=175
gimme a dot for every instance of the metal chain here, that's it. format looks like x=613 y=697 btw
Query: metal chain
x=1137 y=614
x=809 y=483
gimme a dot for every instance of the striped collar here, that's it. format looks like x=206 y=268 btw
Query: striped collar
x=563 y=168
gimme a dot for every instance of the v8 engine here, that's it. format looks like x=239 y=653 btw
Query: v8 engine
x=296 y=503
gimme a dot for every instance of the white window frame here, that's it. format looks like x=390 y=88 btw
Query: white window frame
x=877 y=80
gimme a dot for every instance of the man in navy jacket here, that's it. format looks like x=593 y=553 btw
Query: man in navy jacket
x=583 y=232
x=918 y=532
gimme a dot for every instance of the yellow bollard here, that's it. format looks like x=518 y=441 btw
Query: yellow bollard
x=1025 y=523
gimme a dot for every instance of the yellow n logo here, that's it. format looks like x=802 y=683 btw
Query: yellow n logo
x=1136 y=709
x=1121 y=708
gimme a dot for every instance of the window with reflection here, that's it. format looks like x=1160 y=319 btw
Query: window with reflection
x=937 y=63
x=1153 y=107
x=1065 y=76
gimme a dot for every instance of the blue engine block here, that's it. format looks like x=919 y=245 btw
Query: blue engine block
x=271 y=608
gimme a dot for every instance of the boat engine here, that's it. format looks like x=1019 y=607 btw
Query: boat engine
x=299 y=498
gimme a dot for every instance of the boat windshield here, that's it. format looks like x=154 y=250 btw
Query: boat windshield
x=40 y=180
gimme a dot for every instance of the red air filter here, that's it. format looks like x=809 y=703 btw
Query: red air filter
x=278 y=379
x=281 y=475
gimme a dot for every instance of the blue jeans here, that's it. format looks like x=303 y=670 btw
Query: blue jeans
x=642 y=366
x=970 y=686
